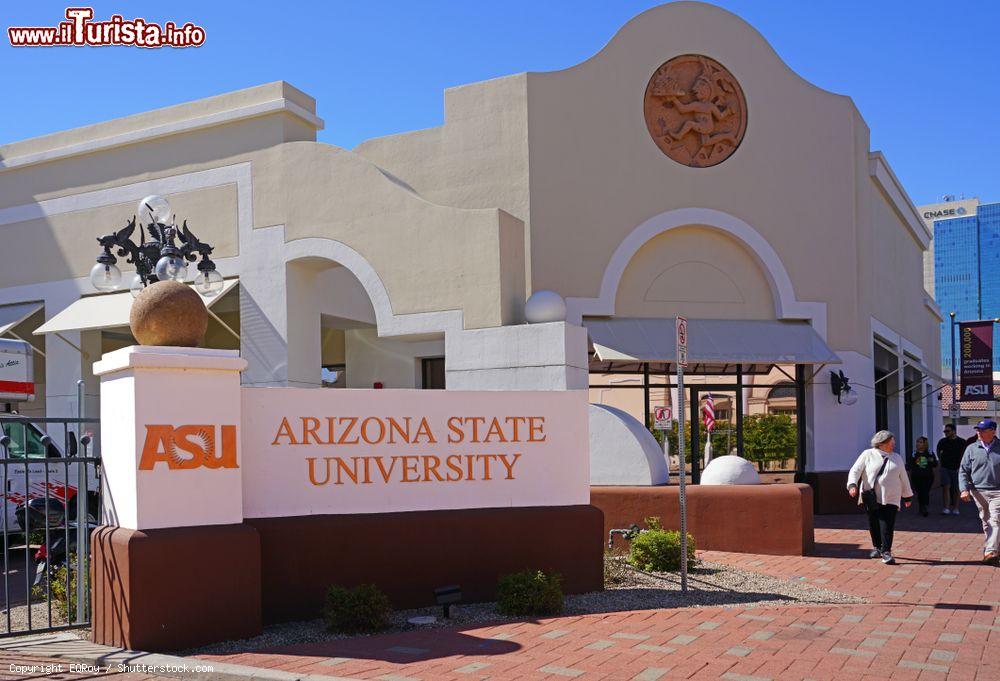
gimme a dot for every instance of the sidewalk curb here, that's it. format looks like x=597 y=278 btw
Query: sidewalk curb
x=67 y=647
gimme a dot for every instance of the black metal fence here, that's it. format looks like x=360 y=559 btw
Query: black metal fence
x=51 y=489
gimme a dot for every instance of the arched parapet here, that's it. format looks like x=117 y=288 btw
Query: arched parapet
x=388 y=323
x=787 y=306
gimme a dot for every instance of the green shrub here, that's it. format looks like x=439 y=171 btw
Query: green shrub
x=659 y=550
x=530 y=593
x=65 y=601
x=361 y=610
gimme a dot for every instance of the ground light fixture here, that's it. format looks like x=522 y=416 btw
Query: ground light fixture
x=163 y=252
x=841 y=387
x=447 y=596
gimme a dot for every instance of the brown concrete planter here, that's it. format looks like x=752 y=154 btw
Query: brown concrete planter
x=408 y=555
x=171 y=589
x=769 y=519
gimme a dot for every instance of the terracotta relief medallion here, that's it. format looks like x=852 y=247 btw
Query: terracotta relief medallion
x=695 y=111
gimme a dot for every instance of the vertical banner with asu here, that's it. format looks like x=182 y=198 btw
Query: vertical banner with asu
x=976 y=360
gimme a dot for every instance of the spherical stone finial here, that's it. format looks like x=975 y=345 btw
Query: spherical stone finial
x=729 y=469
x=168 y=313
x=545 y=306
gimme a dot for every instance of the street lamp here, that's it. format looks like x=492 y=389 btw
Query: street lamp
x=841 y=387
x=159 y=258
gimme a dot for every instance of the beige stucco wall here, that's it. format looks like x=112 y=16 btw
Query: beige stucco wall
x=199 y=149
x=69 y=240
x=893 y=278
x=477 y=159
x=801 y=177
x=311 y=189
x=595 y=171
x=532 y=182
x=429 y=257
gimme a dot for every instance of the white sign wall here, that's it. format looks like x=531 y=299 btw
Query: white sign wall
x=313 y=451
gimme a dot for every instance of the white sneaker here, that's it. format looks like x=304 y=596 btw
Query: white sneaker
x=945 y=511
x=887 y=558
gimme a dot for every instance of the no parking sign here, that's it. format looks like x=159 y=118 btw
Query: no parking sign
x=661 y=418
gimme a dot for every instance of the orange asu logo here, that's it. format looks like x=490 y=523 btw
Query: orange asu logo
x=187 y=447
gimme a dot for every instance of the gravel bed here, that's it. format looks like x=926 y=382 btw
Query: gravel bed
x=39 y=618
x=709 y=584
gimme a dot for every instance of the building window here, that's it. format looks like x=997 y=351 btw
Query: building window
x=783 y=390
x=881 y=400
x=432 y=373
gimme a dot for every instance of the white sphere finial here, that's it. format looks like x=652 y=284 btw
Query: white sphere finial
x=729 y=470
x=545 y=306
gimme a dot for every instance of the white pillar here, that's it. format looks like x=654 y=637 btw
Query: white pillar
x=549 y=356
x=169 y=444
x=840 y=431
x=263 y=309
x=304 y=347
x=66 y=364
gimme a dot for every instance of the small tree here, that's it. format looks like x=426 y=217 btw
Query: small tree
x=769 y=437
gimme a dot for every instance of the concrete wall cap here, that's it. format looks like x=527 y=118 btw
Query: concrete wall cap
x=162 y=357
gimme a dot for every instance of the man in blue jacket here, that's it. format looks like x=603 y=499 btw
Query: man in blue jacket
x=979 y=479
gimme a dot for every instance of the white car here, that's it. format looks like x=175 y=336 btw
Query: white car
x=49 y=473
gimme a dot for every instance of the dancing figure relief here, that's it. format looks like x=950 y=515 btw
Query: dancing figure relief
x=695 y=111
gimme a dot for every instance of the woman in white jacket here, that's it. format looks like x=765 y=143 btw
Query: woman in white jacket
x=879 y=477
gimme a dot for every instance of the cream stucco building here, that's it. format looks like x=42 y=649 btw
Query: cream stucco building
x=379 y=261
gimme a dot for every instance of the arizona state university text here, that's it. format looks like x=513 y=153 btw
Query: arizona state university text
x=351 y=431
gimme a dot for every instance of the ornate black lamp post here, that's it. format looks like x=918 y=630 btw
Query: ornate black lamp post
x=158 y=257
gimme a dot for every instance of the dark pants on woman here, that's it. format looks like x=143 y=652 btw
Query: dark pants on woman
x=881 y=522
x=922 y=486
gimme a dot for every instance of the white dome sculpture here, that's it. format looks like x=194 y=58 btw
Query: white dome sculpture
x=622 y=452
x=729 y=470
x=545 y=306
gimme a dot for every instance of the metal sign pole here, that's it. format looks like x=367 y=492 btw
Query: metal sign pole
x=82 y=555
x=681 y=448
x=666 y=451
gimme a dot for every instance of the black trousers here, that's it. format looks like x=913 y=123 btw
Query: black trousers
x=922 y=486
x=881 y=523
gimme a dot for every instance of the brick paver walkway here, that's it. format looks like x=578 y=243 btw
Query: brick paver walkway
x=935 y=615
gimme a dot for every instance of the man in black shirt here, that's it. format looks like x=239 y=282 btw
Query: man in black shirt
x=950 y=449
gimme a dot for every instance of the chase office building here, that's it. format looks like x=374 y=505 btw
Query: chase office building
x=684 y=169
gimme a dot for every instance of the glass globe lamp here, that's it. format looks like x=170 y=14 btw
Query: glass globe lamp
x=105 y=276
x=136 y=285
x=171 y=267
x=208 y=283
x=153 y=208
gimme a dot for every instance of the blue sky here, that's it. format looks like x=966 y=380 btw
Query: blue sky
x=924 y=74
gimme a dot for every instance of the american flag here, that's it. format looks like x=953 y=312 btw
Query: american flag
x=709 y=411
